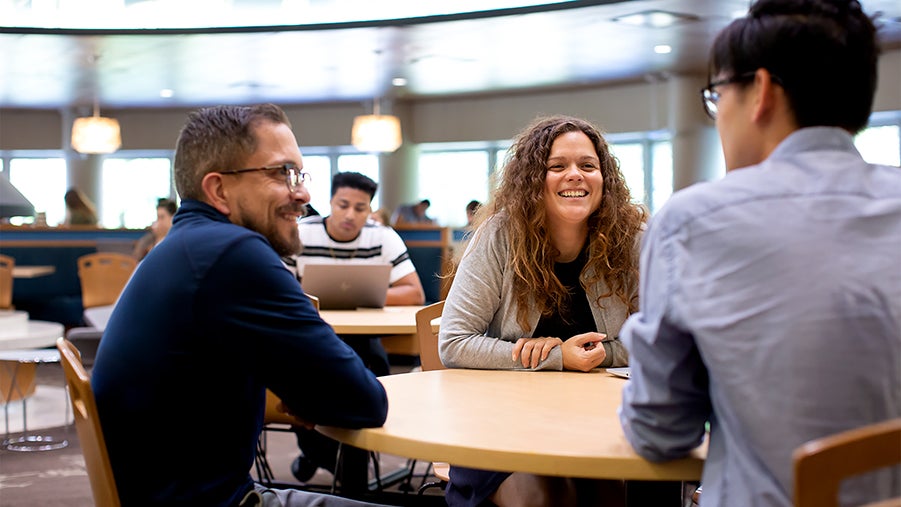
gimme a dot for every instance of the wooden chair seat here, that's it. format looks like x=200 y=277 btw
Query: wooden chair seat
x=87 y=424
x=7 y=264
x=822 y=464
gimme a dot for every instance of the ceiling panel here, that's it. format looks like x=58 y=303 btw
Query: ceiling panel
x=560 y=48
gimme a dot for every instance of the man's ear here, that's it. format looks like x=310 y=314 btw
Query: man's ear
x=766 y=100
x=215 y=192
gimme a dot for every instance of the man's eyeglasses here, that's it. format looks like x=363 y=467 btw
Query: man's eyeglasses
x=294 y=178
x=710 y=97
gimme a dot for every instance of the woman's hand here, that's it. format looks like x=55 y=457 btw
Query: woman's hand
x=583 y=352
x=534 y=350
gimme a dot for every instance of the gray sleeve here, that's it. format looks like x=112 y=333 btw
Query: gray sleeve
x=478 y=325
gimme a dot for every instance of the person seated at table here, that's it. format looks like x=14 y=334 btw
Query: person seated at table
x=771 y=298
x=550 y=275
x=412 y=214
x=165 y=210
x=348 y=236
x=212 y=319
x=80 y=210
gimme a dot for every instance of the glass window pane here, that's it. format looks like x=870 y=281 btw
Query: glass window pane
x=631 y=163
x=367 y=165
x=130 y=188
x=44 y=182
x=880 y=145
x=450 y=180
x=662 y=173
x=320 y=184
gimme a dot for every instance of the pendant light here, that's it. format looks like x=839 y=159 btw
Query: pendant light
x=96 y=134
x=376 y=132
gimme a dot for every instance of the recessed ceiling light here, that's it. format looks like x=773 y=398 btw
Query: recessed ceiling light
x=663 y=49
x=167 y=93
x=655 y=19
x=399 y=81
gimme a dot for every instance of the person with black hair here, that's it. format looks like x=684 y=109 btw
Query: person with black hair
x=771 y=299
x=165 y=210
x=407 y=214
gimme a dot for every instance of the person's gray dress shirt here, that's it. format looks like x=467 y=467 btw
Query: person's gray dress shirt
x=770 y=306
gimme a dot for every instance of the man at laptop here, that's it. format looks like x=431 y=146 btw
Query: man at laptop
x=347 y=236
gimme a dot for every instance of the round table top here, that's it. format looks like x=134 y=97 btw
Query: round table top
x=30 y=355
x=545 y=422
x=38 y=334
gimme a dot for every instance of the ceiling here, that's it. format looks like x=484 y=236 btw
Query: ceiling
x=354 y=57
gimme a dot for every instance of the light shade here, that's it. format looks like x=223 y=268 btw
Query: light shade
x=376 y=132
x=96 y=134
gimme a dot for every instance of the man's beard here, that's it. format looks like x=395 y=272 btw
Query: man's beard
x=282 y=246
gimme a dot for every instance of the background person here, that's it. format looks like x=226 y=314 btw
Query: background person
x=771 y=299
x=549 y=277
x=347 y=236
x=212 y=319
x=471 y=208
x=79 y=208
x=165 y=210
x=412 y=214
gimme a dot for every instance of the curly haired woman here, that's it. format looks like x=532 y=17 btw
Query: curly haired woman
x=546 y=283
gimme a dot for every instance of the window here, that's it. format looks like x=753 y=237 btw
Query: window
x=450 y=179
x=130 y=188
x=631 y=164
x=44 y=182
x=880 y=144
x=661 y=174
x=320 y=183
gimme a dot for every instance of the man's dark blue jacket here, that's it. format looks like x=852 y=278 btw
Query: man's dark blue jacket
x=210 y=319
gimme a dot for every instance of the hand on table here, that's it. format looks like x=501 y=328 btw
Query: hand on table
x=281 y=407
x=533 y=350
x=583 y=351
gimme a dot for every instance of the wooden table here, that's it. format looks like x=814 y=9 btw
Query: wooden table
x=32 y=271
x=550 y=423
x=381 y=321
x=396 y=325
x=18 y=332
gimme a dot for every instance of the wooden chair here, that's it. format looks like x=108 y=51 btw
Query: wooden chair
x=429 y=360
x=7 y=264
x=428 y=339
x=87 y=424
x=103 y=276
x=820 y=465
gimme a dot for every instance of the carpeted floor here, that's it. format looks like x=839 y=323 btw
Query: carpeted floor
x=58 y=478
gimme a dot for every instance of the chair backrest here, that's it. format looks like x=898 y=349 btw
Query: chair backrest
x=87 y=424
x=820 y=465
x=103 y=275
x=7 y=264
x=86 y=340
x=428 y=339
x=273 y=415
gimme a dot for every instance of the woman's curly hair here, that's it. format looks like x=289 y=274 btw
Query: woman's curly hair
x=519 y=201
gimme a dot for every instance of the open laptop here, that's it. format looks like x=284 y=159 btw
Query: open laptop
x=347 y=286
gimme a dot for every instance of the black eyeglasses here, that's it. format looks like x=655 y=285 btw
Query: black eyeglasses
x=710 y=97
x=294 y=178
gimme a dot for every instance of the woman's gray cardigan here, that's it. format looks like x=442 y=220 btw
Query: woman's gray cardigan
x=479 y=326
